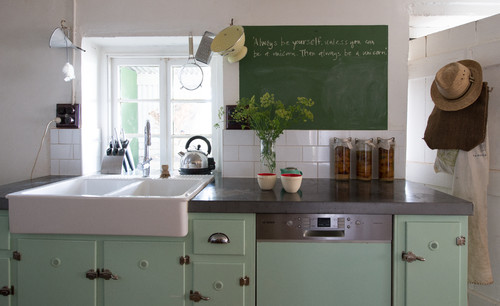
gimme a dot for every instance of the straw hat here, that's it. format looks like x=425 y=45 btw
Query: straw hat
x=457 y=85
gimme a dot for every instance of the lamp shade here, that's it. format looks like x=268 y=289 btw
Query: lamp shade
x=59 y=40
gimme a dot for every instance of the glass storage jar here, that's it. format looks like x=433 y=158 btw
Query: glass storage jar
x=342 y=163
x=364 y=158
x=386 y=158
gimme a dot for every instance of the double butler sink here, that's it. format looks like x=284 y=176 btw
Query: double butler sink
x=106 y=205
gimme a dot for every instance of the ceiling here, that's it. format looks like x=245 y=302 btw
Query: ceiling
x=427 y=17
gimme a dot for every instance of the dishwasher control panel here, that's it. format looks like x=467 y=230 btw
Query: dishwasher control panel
x=275 y=227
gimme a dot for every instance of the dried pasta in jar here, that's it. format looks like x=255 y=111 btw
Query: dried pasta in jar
x=364 y=159
x=386 y=158
x=342 y=163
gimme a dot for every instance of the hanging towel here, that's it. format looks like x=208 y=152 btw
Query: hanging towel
x=445 y=161
x=470 y=182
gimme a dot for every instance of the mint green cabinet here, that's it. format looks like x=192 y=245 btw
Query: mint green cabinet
x=223 y=259
x=145 y=271
x=435 y=273
x=52 y=272
x=5 y=280
x=60 y=270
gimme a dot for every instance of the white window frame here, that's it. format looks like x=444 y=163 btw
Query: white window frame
x=164 y=63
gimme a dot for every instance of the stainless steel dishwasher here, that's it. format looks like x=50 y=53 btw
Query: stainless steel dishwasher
x=323 y=259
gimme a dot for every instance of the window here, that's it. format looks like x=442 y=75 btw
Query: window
x=150 y=89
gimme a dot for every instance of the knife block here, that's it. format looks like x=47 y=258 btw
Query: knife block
x=112 y=164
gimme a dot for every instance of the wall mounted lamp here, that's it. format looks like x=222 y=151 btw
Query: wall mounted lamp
x=59 y=39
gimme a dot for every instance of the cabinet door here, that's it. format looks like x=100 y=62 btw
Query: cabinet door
x=5 y=280
x=52 y=272
x=4 y=232
x=149 y=273
x=440 y=279
x=220 y=282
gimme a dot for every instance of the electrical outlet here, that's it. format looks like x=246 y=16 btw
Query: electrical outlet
x=69 y=114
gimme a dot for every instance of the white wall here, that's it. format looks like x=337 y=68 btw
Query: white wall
x=479 y=41
x=31 y=83
x=30 y=73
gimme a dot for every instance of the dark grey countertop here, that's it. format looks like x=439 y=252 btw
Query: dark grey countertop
x=243 y=195
x=18 y=186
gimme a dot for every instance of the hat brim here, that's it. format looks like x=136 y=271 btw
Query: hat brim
x=468 y=98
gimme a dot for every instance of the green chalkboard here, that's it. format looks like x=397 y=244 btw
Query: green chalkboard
x=342 y=68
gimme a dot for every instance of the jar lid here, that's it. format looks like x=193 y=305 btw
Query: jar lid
x=368 y=142
x=346 y=142
x=386 y=143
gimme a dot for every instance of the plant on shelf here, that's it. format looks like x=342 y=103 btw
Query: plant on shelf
x=269 y=117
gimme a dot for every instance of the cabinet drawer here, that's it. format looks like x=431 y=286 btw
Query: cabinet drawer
x=233 y=229
x=4 y=232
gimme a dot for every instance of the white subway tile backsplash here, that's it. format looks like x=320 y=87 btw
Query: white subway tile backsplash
x=325 y=136
x=65 y=136
x=65 y=152
x=54 y=167
x=238 y=169
x=70 y=167
x=302 y=138
x=238 y=137
x=77 y=151
x=249 y=153
x=230 y=153
x=308 y=150
x=324 y=170
x=61 y=151
x=77 y=136
x=288 y=153
x=316 y=154
x=54 y=136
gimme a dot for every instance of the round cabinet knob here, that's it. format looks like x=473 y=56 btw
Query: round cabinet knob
x=219 y=238
x=55 y=262
x=143 y=264
x=218 y=285
x=411 y=257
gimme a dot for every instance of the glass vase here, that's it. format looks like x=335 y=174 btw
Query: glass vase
x=267 y=156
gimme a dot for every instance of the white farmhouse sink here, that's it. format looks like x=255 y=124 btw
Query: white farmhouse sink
x=106 y=205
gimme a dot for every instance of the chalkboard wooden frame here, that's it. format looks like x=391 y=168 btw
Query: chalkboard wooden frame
x=342 y=68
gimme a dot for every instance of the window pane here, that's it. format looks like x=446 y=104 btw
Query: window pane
x=134 y=116
x=204 y=92
x=191 y=118
x=139 y=82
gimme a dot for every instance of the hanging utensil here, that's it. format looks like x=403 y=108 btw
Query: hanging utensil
x=204 y=53
x=191 y=74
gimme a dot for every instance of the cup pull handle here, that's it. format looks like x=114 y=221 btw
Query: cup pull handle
x=219 y=238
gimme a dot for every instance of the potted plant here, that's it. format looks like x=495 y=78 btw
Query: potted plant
x=269 y=117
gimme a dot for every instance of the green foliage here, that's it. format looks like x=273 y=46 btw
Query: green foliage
x=269 y=117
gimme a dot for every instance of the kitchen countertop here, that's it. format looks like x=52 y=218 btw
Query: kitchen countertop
x=243 y=195
x=401 y=197
x=18 y=186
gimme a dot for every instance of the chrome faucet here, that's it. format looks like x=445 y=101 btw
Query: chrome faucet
x=146 y=166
